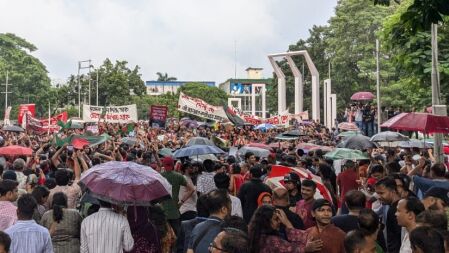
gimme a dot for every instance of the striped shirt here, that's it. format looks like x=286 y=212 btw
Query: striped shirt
x=106 y=231
x=29 y=237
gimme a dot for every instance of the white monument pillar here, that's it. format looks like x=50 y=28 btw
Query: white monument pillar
x=327 y=119
x=281 y=83
x=299 y=88
x=333 y=102
x=282 y=103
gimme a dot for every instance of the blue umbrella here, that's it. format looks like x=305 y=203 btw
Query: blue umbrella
x=197 y=150
x=264 y=126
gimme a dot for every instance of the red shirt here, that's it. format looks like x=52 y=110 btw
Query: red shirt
x=304 y=210
x=346 y=182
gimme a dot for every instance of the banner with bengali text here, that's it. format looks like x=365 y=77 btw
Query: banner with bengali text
x=112 y=114
x=200 y=108
x=158 y=115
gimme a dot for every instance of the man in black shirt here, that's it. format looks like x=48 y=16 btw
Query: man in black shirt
x=387 y=190
x=355 y=201
x=281 y=201
x=250 y=191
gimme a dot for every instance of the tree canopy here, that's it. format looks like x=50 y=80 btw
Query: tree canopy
x=27 y=75
x=163 y=77
x=420 y=14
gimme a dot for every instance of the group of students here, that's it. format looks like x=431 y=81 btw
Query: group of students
x=395 y=202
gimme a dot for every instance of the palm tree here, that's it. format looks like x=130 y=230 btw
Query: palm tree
x=164 y=77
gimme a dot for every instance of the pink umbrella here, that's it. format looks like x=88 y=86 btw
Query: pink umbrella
x=422 y=122
x=362 y=95
x=126 y=183
x=347 y=126
x=15 y=150
x=259 y=145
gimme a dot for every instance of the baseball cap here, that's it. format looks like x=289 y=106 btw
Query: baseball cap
x=320 y=203
x=7 y=185
x=168 y=163
x=438 y=192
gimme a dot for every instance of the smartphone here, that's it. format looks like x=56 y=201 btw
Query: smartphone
x=70 y=148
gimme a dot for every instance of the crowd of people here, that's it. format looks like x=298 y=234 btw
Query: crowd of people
x=395 y=201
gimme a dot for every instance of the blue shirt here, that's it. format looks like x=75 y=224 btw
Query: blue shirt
x=423 y=184
x=29 y=237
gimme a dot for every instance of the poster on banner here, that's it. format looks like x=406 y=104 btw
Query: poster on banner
x=93 y=129
x=23 y=108
x=45 y=125
x=279 y=120
x=112 y=114
x=200 y=108
x=158 y=115
x=301 y=116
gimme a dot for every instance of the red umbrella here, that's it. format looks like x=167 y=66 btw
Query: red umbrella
x=277 y=173
x=423 y=122
x=362 y=95
x=348 y=126
x=15 y=151
x=126 y=183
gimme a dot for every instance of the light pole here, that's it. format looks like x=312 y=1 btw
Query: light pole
x=98 y=71
x=378 y=86
x=79 y=84
x=438 y=146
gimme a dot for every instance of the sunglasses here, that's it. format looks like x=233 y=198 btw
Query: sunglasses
x=212 y=246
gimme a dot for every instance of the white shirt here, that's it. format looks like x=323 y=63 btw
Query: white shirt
x=236 y=206
x=29 y=237
x=190 y=203
x=105 y=232
x=405 y=245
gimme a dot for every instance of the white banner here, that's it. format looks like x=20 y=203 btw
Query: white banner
x=113 y=114
x=200 y=108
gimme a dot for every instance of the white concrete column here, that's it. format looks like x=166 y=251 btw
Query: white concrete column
x=299 y=94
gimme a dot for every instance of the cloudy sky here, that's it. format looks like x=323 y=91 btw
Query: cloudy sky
x=188 y=39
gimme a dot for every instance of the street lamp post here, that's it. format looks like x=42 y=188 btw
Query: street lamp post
x=79 y=84
x=438 y=146
x=98 y=71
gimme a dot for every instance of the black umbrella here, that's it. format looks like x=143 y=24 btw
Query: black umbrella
x=13 y=129
x=359 y=142
x=389 y=136
x=199 y=141
x=293 y=133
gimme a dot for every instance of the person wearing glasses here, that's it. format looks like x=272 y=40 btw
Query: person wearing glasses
x=230 y=240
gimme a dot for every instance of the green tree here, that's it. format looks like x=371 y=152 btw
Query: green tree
x=163 y=77
x=411 y=53
x=117 y=85
x=212 y=95
x=27 y=74
x=420 y=14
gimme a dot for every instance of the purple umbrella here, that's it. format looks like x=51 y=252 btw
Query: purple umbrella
x=126 y=183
